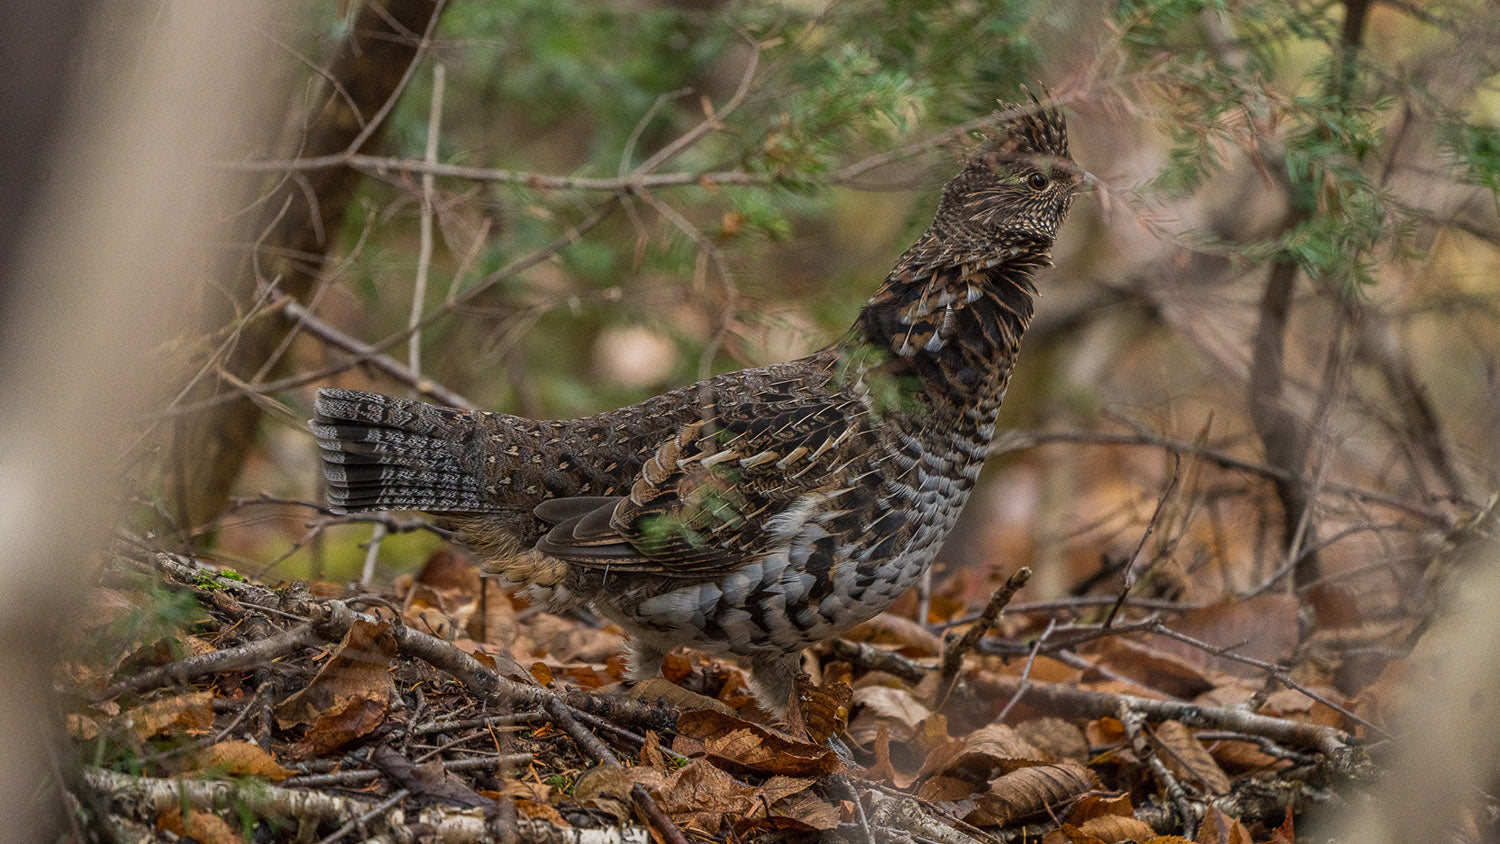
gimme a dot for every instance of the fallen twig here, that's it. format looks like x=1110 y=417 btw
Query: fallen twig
x=239 y=658
x=440 y=823
x=1133 y=722
x=953 y=653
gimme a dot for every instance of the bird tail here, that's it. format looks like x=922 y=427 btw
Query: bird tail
x=384 y=453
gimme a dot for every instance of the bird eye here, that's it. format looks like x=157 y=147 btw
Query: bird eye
x=1038 y=181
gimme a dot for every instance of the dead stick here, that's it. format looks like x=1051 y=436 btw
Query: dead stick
x=332 y=619
x=658 y=819
x=362 y=775
x=1134 y=723
x=593 y=748
x=587 y=742
x=240 y=658
x=953 y=653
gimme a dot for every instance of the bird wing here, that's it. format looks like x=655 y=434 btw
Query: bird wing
x=720 y=491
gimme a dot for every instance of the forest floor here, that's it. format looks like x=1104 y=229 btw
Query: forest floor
x=442 y=708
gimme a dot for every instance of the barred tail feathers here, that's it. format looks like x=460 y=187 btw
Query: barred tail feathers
x=384 y=453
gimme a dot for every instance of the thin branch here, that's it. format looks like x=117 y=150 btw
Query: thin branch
x=957 y=647
x=240 y=658
x=1133 y=722
x=1015 y=440
x=1130 y=574
x=411 y=68
x=424 y=249
x=364 y=353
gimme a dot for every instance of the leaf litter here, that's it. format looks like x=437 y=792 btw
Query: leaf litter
x=372 y=722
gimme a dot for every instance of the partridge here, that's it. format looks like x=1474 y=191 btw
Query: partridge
x=760 y=511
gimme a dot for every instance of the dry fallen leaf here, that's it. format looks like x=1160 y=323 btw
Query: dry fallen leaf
x=564 y=640
x=350 y=695
x=818 y=712
x=659 y=688
x=1264 y=627
x=1157 y=668
x=699 y=794
x=742 y=745
x=911 y=638
x=1219 y=828
x=1186 y=757
x=895 y=707
x=1029 y=791
x=1244 y=756
x=239 y=758
x=984 y=754
x=1092 y=806
x=191 y=713
x=198 y=825
x=1055 y=737
x=1070 y=834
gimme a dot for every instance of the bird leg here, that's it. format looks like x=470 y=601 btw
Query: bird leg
x=772 y=679
x=645 y=661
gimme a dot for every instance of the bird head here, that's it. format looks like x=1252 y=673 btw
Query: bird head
x=1014 y=190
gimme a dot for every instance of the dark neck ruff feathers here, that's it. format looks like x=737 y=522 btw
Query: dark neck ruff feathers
x=955 y=328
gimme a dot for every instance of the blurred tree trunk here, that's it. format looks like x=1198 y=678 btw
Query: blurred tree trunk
x=297 y=230
x=112 y=117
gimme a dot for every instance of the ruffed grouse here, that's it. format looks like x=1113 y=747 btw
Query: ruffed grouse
x=759 y=511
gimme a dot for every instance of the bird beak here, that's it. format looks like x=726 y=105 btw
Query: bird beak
x=1090 y=181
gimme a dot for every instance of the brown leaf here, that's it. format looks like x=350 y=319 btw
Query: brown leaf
x=81 y=727
x=1056 y=738
x=584 y=675
x=1219 y=828
x=1104 y=731
x=659 y=688
x=1070 y=834
x=779 y=787
x=898 y=708
x=429 y=613
x=191 y=713
x=1043 y=668
x=1028 y=791
x=943 y=788
x=1165 y=671
x=676 y=668
x=449 y=571
x=1116 y=828
x=817 y=712
x=205 y=827
x=911 y=638
x=500 y=626
x=429 y=781
x=1285 y=834
x=1290 y=702
x=809 y=809
x=607 y=787
x=566 y=641
x=541 y=673
x=651 y=754
x=884 y=770
x=745 y=746
x=359 y=670
x=541 y=811
x=1243 y=756
x=347 y=720
x=1092 y=806
x=238 y=758
x=983 y=754
x=699 y=794
x=1186 y=757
